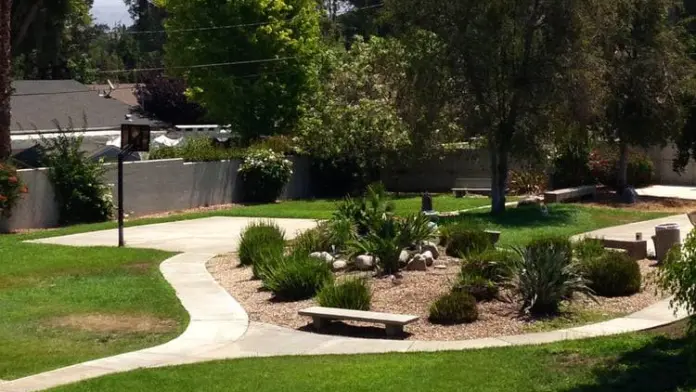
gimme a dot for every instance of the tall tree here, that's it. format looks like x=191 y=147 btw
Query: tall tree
x=646 y=73
x=510 y=61
x=262 y=68
x=5 y=79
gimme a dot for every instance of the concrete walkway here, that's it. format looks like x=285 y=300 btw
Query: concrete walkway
x=628 y=232
x=220 y=328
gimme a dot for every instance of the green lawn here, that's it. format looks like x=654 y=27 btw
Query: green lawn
x=518 y=226
x=41 y=285
x=636 y=363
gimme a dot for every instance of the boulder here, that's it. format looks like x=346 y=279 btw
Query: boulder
x=364 y=262
x=325 y=256
x=629 y=196
x=404 y=256
x=432 y=226
x=339 y=265
x=440 y=266
x=432 y=248
x=417 y=263
x=428 y=257
x=530 y=201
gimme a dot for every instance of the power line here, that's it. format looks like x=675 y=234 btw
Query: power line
x=132 y=87
x=115 y=71
x=171 y=31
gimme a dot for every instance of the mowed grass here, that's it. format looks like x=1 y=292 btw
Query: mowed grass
x=519 y=225
x=646 y=362
x=63 y=305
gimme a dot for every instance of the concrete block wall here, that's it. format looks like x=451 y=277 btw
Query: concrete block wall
x=662 y=159
x=153 y=187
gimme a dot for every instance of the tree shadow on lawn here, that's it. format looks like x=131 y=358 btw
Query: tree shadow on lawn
x=518 y=217
x=665 y=365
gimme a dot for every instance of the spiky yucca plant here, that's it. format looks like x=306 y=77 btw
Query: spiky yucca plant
x=544 y=277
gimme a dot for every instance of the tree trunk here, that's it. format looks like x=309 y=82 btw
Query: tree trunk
x=499 y=174
x=5 y=81
x=622 y=170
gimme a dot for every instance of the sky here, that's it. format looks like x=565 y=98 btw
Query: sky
x=110 y=12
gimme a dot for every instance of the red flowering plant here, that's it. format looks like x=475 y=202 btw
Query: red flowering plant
x=11 y=189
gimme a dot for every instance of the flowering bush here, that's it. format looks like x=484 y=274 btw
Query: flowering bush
x=11 y=189
x=603 y=164
x=264 y=174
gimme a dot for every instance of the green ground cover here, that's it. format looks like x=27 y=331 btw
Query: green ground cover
x=643 y=362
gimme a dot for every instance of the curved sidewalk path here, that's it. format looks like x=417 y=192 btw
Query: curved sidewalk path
x=220 y=328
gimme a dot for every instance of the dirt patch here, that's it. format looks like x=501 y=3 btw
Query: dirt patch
x=114 y=323
x=606 y=198
x=414 y=295
x=188 y=211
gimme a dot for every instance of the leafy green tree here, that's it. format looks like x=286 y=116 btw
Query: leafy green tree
x=510 y=61
x=380 y=101
x=5 y=80
x=273 y=54
x=646 y=75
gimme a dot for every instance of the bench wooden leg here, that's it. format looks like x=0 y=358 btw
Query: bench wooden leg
x=319 y=322
x=394 y=330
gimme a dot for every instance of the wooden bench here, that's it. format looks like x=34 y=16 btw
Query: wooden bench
x=394 y=322
x=464 y=186
x=568 y=194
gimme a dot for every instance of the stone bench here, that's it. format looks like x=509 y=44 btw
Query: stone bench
x=464 y=186
x=394 y=322
x=569 y=194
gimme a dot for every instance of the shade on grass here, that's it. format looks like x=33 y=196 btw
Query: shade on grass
x=636 y=363
x=519 y=225
x=42 y=285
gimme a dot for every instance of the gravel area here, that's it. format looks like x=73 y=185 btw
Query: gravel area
x=413 y=296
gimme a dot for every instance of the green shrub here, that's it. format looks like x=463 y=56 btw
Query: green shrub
x=366 y=213
x=612 y=275
x=558 y=244
x=312 y=240
x=264 y=173
x=462 y=241
x=11 y=189
x=78 y=181
x=446 y=229
x=456 y=307
x=481 y=288
x=279 y=143
x=349 y=294
x=640 y=170
x=389 y=236
x=197 y=149
x=544 y=276
x=572 y=167
x=589 y=248
x=296 y=277
x=260 y=238
x=677 y=276
x=339 y=232
x=492 y=264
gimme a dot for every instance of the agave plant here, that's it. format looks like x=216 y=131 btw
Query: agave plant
x=544 y=277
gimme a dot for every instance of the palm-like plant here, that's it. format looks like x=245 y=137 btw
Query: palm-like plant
x=389 y=236
x=544 y=277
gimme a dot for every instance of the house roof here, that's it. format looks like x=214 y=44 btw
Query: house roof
x=36 y=104
x=125 y=92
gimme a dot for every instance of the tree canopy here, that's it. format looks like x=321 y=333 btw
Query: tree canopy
x=264 y=66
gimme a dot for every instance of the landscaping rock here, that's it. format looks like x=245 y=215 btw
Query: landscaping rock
x=417 y=263
x=432 y=248
x=339 y=265
x=432 y=226
x=364 y=262
x=440 y=266
x=325 y=256
x=404 y=256
x=530 y=201
x=428 y=257
x=629 y=196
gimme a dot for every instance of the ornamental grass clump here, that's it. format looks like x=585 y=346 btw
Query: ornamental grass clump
x=349 y=294
x=260 y=239
x=295 y=277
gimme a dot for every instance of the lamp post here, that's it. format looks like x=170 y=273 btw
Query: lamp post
x=133 y=138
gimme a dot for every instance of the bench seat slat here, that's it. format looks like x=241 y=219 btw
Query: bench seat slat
x=358 y=315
